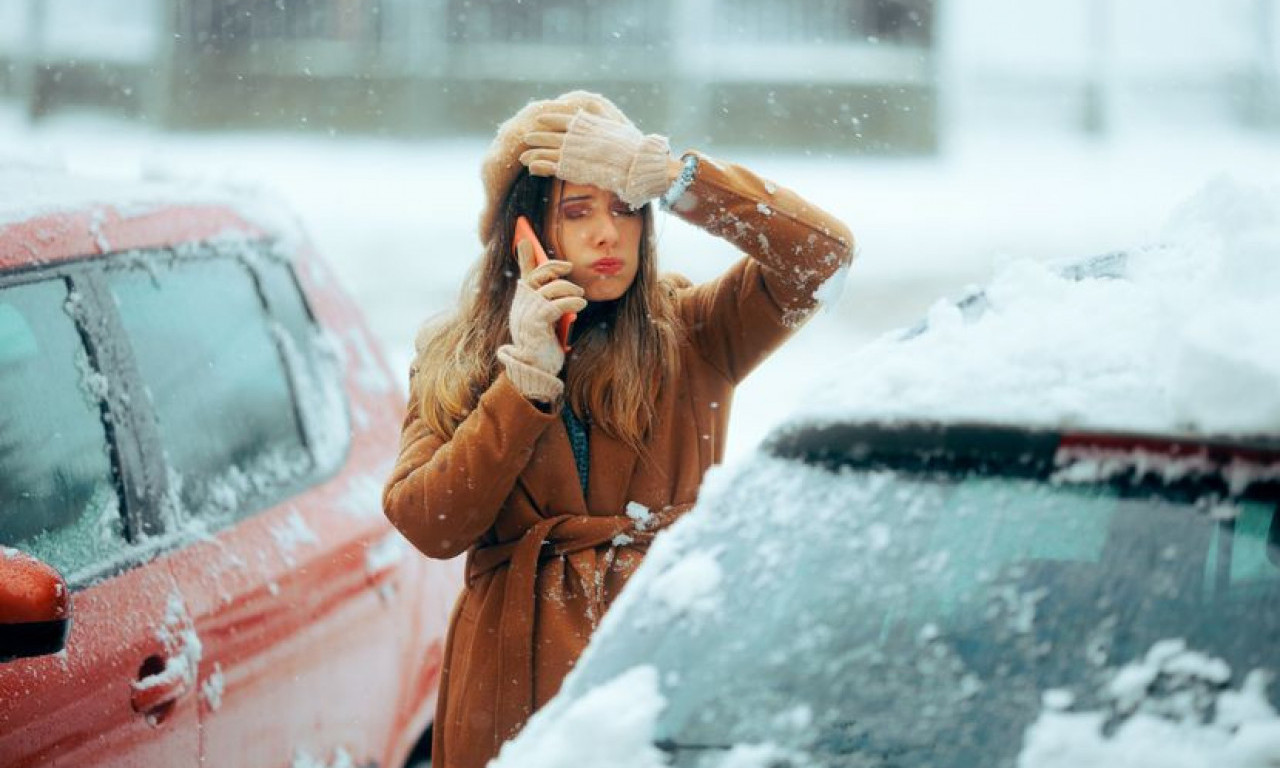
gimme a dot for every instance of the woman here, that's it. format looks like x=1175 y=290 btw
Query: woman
x=553 y=472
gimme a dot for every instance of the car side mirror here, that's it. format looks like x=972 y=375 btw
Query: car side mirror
x=35 y=607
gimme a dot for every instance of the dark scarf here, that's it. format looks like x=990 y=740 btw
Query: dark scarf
x=598 y=315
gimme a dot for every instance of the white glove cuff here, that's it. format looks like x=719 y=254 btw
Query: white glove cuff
x=647 y=177
x=532 y=382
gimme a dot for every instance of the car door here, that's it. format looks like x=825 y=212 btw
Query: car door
x=120 y=693
x=299 y=646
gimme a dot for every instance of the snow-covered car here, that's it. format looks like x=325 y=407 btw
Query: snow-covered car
x=194 y=427
x=1041 y=530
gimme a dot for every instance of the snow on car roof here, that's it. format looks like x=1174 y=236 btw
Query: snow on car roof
x=30 y=191
x=1184 y=343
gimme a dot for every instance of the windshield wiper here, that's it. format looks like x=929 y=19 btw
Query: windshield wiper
x=671 y=746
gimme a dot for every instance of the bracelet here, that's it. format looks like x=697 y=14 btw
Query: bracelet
x=681 y=184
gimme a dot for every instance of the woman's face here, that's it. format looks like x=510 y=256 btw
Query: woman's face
x=600 y=235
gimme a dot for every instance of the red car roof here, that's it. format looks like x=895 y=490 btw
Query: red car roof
x=48 y=217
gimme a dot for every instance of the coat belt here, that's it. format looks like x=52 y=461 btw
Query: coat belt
x=549 y=537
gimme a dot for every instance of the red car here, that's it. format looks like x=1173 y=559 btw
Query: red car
x=195 y=424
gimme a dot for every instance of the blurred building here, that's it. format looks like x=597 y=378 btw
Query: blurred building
x=847 y=74
x=851 y=75
x=1102 y=66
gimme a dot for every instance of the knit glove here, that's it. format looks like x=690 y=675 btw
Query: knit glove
x=588 y=149
x=534 y=358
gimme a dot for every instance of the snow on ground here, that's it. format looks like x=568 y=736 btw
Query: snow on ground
x=397 y=218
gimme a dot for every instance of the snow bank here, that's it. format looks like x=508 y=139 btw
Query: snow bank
x=1183 y=342
x=1166 y=699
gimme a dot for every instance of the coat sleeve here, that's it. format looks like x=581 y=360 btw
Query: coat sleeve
x=792 y=248
x=444 y=494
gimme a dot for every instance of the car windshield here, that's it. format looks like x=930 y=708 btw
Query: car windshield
x=880 y=617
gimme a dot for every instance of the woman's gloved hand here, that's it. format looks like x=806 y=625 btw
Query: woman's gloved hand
x=588 y=149
x=534 y=358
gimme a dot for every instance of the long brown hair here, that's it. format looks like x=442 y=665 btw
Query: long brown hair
x=616 y=367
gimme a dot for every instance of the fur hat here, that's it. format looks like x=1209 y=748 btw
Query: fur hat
x=502 y=164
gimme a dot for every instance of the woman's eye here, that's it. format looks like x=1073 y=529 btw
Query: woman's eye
x=623 y=209
x=576 y=212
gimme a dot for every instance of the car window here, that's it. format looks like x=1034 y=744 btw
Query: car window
x=918 y=619
x=1243 y=542
x=974 y=542
x=61 y=501
x=216 y=376
x=285 y=300
x=313 y=365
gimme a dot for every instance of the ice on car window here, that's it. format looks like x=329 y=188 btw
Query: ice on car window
x=970 y=536
x=216 y=377
x=1252 y=563
x=61 y=502
x=17 y=341
x=315 y=372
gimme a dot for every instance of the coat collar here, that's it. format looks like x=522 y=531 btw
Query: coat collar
x=555 y=487
x=611 y=465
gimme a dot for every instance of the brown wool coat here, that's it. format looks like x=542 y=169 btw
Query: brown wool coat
x=543 y=563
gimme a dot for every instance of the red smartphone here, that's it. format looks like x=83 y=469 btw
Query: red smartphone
x=524 y=231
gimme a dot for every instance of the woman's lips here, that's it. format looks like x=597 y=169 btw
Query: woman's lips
x=608 y=266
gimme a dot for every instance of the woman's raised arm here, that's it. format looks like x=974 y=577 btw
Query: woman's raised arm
x=794 y=248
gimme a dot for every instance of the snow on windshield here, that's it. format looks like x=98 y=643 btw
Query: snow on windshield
x=610 y=725
x=1173 y=711
x=682 y=586
x=899 y=612
x=1182 y=343
x=612 y=722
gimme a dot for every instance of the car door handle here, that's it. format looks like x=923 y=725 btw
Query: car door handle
x=161 y=682
x=384 y=558
x=380 y=572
